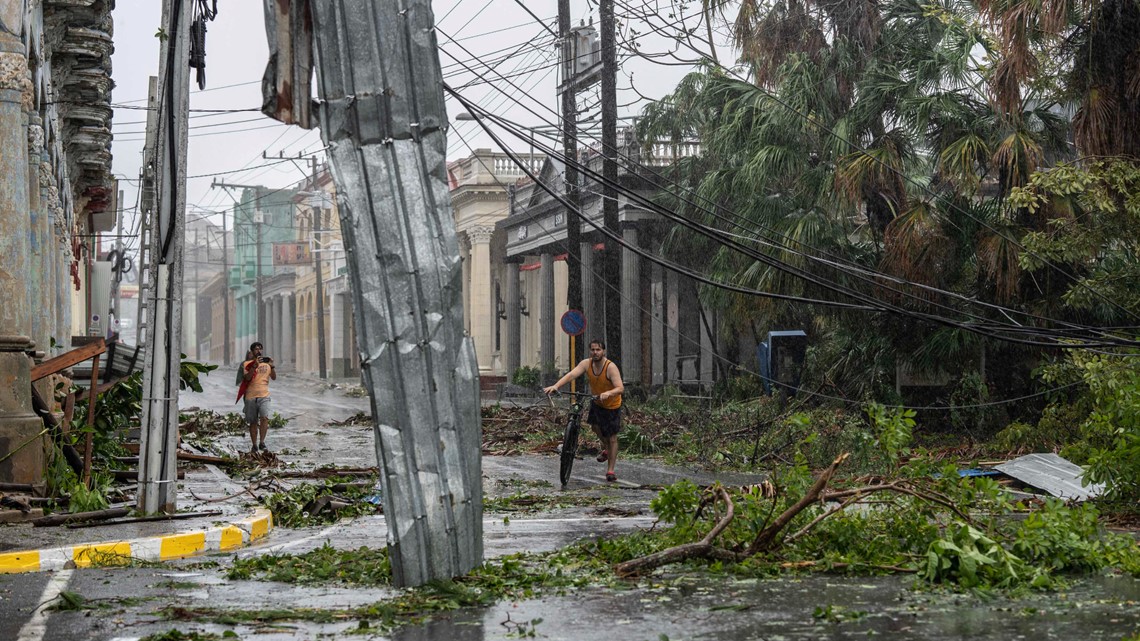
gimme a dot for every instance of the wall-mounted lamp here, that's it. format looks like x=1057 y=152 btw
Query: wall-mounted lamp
x=522 y=305
x=501 y=308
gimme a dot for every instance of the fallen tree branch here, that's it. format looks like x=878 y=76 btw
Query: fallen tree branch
x=701 y=549
x=767 y=536
x=807 y=528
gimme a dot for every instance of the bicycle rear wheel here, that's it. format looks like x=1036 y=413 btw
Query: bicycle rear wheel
x=569 y=448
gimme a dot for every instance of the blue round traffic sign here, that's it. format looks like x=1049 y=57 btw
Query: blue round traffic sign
x=573 y=322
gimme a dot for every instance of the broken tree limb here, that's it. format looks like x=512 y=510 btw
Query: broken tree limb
x=57 y=429
x=767 y=536
x=701 y=549
x=900 y=487
x=147 y=519
x=97 y=515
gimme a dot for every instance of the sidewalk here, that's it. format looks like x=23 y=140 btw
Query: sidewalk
x=31 y=549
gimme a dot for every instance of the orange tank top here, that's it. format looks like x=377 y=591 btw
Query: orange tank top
x=601 y=383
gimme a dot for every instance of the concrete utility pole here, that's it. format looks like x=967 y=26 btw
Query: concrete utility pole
x=319 y=268
x=574 y=247
x=157 y=490
x=611 y=259
x=116 y=271
x=382 y=115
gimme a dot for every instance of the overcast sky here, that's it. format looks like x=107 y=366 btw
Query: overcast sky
x=236 y=53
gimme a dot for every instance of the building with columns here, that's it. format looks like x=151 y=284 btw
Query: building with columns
x=480 y=198
x=666 y=336
x=279 y=237
x=56 y=194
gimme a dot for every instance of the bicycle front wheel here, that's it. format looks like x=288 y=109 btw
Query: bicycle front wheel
x=569 y=449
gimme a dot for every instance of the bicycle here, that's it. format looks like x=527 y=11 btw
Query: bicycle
x=570 y=434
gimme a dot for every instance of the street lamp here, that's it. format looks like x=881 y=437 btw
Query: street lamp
x=464 y=116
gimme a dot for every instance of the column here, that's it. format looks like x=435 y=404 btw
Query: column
x=672 y=326
x=19 y=426
x=465 y=256
x=708 y=352
x=594 y=324
x=514 y=320
x=630 y=309
x=41 y=287
x=658 y=327
x=546 y=315
x=336 y=350
x=286 y=330
x=481 y=301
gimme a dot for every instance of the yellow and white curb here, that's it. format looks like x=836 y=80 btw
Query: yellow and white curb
x=155 y=548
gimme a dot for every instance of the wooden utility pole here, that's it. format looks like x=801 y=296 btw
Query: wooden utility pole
x=611 y=259
x=157 y=489
x=570 y=149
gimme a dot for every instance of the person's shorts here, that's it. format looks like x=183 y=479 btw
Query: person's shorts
x=607 y=421
x=256 y=408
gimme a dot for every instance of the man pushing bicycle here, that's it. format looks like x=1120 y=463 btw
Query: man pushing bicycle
x=605 y=408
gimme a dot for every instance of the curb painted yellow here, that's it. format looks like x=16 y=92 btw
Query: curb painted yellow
x=155 y=548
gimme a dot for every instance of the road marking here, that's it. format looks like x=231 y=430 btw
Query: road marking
x=274 y=549
x=36 y=626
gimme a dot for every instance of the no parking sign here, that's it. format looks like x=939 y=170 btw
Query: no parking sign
x=573 y=322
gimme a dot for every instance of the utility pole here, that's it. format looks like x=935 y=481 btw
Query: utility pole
x=259 y=219
x=256 y=217
x=226 y=356
x=611 y=260
x=570 y=149
x=319 y=266
x=197 y=286
x=157 y=488
x=116 y=271
x=147 y=214
x=318 y=263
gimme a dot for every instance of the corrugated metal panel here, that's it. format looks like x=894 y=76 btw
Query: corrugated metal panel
x=1052 y=474
x=286 y=85
x=381 y=113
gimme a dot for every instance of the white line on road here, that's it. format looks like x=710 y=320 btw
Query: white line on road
x=36 y=626
x=274 y=549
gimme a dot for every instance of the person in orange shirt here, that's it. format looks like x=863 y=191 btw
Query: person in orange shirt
x=259 y=370
x=605 y=407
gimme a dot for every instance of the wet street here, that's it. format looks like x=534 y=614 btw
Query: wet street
x=126 y=603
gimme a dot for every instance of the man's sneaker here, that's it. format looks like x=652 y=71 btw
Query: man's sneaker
x=263 y=448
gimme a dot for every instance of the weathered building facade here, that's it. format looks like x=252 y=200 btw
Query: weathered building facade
x=667 y=338
x=56 y=191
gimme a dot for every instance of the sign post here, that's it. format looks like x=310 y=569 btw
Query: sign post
x=574 y=324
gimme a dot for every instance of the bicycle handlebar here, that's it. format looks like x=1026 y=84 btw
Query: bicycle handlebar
x=575 y=394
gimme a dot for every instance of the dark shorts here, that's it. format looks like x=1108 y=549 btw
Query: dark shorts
x=607 y=421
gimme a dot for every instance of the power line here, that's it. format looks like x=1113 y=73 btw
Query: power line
x=785 y=248
x=696 y=342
